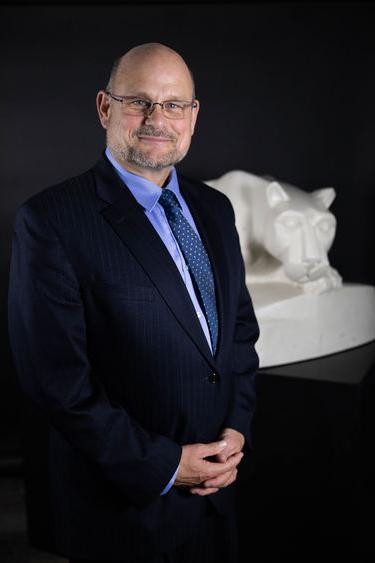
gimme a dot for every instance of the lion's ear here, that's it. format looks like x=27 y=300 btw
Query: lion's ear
x=276 y=194
x=325 y=196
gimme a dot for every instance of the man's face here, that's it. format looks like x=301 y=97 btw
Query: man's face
x=149 y=142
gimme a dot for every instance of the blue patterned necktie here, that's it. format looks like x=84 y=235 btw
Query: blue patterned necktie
x=196 y=259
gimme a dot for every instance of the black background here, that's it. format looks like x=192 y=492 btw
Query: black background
x=286 y=89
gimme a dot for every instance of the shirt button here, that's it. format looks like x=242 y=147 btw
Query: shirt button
x=213 y=377
x=199 y=314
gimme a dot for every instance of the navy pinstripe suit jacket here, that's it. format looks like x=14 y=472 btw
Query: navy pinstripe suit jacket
x=112 y=358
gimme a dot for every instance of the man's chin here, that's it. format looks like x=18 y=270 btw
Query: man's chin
x=151 y=165
x=152 y=160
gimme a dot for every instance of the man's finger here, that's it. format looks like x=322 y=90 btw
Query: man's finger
x=213 y=469
x=211 y=449
x=222 y=480
x=226 y=454
x=203 y=491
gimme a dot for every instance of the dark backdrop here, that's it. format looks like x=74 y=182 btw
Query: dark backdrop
x=286 y=90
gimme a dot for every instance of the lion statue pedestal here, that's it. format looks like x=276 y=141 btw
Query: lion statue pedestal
x=303 y=308
x=301 y=326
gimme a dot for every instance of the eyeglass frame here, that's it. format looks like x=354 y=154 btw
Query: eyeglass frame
x=149 y=110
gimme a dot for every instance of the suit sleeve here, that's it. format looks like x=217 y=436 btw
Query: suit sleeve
x=48 y=339
x=245 y=360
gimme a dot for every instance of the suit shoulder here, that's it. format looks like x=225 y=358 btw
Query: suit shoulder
x=61 y=199
x=213 y=195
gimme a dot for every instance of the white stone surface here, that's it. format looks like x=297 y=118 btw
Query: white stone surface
x=304 y=326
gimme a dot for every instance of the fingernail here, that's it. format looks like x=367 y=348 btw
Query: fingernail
x=222 y=444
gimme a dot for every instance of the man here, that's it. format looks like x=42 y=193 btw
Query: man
x=133 y=333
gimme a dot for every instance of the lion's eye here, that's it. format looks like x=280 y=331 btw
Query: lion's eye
x=291 y=222
x=325 y=226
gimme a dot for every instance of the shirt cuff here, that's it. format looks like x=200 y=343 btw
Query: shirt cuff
x=166 y=489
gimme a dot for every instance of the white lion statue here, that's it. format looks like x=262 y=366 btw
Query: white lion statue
x=285 y=233
x=303 y=308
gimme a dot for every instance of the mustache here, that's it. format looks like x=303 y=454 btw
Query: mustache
x=153 y=132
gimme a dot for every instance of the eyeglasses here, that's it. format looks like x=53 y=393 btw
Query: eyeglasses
x=173 y=109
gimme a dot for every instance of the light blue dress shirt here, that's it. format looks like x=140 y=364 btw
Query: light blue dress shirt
x=147 y=194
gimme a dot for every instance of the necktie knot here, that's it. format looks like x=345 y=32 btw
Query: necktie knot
x=168 y=200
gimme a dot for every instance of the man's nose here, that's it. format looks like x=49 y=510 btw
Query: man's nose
x=155 y=111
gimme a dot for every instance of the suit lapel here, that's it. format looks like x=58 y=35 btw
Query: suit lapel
x=128 y=220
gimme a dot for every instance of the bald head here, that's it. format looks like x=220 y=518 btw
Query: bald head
x=148 y=54
x=143 y=133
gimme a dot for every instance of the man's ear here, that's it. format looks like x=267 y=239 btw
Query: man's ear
x=194 y=116
x=103 y=107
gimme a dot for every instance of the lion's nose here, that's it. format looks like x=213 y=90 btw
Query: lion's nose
x=311 y=252
x=311 y=261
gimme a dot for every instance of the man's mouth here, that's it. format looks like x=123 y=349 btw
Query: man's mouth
x=154 y=136
x=154 y=139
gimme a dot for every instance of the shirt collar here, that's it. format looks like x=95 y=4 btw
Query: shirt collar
x=145 y=192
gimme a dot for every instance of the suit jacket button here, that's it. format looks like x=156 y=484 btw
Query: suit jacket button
x=213 y=377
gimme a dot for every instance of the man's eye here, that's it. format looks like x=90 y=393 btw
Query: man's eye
x=139 y=103
x=172 y=105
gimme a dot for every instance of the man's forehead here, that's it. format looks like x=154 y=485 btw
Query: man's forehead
x=151 y=51
x=154 y=74
x=146 y=62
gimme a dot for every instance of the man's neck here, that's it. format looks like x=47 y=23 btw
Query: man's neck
x=158 y=177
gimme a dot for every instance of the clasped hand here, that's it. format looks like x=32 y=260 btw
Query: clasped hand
x=206 y=476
